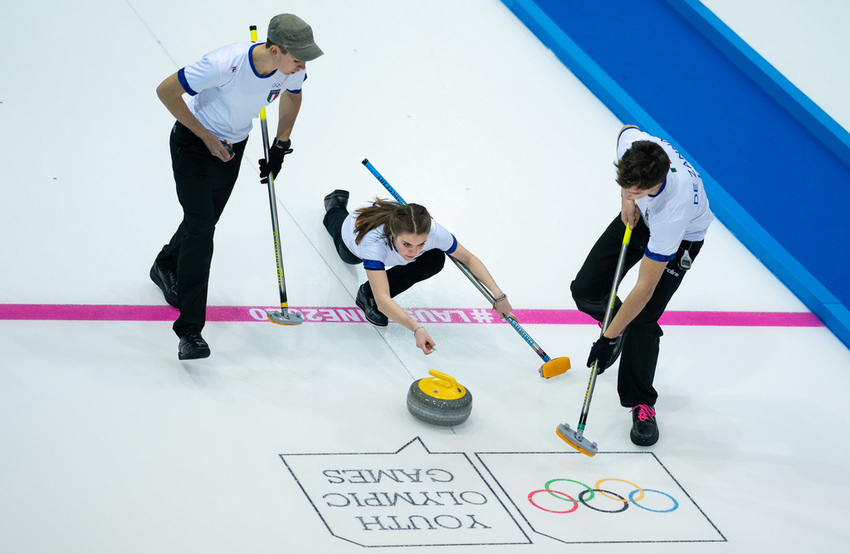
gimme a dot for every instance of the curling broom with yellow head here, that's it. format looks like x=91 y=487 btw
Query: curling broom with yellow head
x=576 y=438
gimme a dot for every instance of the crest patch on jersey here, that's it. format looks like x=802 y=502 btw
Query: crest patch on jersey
x=273 y=95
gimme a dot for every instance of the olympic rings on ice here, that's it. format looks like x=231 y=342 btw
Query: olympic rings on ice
x=556 y=494
x=550 y=481
x=602 y=492
x=637 y=488
x=588 y=494
x=675 y=502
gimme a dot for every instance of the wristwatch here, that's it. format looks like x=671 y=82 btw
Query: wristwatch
x=283 y=144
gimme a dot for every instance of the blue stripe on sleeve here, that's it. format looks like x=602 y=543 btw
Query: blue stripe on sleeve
x=659 y=257
x=453 y=246
x=299 y=90
x=181 y=76
x=373 y=264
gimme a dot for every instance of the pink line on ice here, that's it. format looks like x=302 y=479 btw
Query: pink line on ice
x=703 y=319
x=349 y=314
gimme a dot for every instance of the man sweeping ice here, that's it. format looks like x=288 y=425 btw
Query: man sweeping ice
x=664 y=203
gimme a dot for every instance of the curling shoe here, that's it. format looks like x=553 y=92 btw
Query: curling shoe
x=366 y=302
x=644 y=428
x=166 y=280
x=193 y=346
x=336 y=199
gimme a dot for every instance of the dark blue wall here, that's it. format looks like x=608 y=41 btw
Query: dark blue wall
x=775 y=166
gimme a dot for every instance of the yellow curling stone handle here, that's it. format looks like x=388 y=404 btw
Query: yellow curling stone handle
x=441 y=386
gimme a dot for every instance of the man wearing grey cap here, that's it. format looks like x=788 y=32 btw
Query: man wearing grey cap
x=227 y=89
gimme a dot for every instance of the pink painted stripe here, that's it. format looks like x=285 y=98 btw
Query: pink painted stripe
x=108 y=312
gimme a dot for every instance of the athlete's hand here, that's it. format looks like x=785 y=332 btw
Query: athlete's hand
x=276 y=155
x=604 y=352
x=629 y=213
x=503 y=308
x=219 y=148
x=424 y=342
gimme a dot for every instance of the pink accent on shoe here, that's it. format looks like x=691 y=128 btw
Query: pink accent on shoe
x=644 y=412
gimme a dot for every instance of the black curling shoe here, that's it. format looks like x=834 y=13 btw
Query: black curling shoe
x=366 y=302
x=166 y=280
x=644 y=428
x=193 y=346
x=336 y=199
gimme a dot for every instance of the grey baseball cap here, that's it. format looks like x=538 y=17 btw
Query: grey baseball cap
x=292 y=33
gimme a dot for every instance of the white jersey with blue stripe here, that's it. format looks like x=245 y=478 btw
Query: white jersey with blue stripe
x=377 y=254
x=680 y=209
x=227 y=93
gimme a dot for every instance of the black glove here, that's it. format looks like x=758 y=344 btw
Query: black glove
x=276 y=154
x=604 y=352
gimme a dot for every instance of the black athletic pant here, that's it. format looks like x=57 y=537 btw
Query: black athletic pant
x=204 y=184
x=400 y=277
x=591 y=290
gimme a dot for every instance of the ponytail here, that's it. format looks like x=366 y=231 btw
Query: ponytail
x=396 y=218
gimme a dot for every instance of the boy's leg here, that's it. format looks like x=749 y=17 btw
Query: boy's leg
x=204 y=184
x=642 y=338
x=592 y=285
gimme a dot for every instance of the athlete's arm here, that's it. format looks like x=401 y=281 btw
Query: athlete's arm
x=649 y=274
x=290 y=104
x=390 y=308
x=477 y=268
x=170 y=93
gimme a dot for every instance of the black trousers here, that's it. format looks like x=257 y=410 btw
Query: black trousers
x=641 y=339
x=204 y=184
x=400 y=277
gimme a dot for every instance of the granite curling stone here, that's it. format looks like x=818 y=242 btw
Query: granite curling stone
x=439 y=400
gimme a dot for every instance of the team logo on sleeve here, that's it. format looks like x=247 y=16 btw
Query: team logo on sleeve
x=273 y=95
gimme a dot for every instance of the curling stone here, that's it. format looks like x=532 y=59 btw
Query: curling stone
x=439 y=400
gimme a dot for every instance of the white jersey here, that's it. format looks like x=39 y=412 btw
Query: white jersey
x=377 y=254
x=228 y=93
x=680 y=209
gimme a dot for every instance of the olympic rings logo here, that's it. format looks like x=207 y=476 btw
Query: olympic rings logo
x=637 y=497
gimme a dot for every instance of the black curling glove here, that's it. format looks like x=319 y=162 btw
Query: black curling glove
x=604 y=352
x=276 y=154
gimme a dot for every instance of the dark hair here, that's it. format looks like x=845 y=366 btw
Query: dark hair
x=269 y=44
x=396 y=219
x=644 y=165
